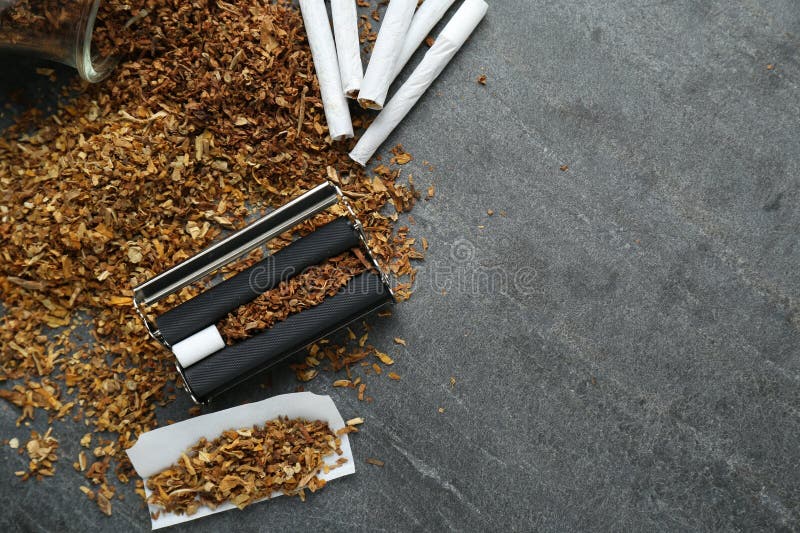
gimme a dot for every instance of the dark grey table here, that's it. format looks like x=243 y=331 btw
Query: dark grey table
x=624 y=340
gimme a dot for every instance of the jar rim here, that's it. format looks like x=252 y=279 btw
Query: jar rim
x=90 y=67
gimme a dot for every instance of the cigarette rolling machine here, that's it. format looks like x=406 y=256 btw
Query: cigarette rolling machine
x=209 y=366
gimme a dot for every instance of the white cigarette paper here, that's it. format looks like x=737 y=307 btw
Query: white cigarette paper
x=162 y=447
x=348 y=49
x=426 y=17
x=380 y=69
x=449 y=41
x=323 y=50
x=199 y=346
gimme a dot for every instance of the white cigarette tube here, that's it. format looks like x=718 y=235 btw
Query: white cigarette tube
x=348 y=49
x=380 y=69
x=449 y=41
x=199 y=346
x=320 y=38
x=426 y=17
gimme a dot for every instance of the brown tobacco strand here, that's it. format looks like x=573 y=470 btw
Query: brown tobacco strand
x=247 y=465
x=305 y=290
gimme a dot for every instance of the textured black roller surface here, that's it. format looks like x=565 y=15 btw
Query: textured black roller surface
x=216 y=373
x=212 y=305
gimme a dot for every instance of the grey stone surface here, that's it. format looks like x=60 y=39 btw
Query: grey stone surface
x=625 y=340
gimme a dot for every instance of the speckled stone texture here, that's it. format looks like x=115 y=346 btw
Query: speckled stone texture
x=624 y=337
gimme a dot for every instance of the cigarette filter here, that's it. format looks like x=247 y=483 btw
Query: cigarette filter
x=198 y=346
x=348 y=49
x=323 y=50
x=380 y=69
x=449 y=41
x=209 y=366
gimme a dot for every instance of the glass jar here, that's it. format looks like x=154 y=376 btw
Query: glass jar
x=60 y=30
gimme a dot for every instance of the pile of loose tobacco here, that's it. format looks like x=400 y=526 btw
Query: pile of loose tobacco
x=213 y=116
x=247 y=465
x=24 y=21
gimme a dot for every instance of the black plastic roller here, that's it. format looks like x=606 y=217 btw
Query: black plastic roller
x=224 y=369
x=214 y=304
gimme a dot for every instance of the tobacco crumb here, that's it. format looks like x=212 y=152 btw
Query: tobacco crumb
x=401 y=157
x=482 y=79
x=47 y=73
x=42 y=454
x=490 y=212
x=384 y=358
x=770 y=66
x=429 y=41
x=103 y=503
x=441 y=410
x=243 y=466
x=345 y=430
x=373 y=461
x=563 y=168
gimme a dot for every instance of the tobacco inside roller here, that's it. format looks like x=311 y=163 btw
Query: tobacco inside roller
x=210 y=306
x=307 y=289
x=216 y=373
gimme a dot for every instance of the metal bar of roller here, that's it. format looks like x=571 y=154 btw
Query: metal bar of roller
x=213 y=304
x=243 y=241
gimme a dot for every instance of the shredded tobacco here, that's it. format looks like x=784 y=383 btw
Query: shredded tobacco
x=246 y=465
x=374 y=461
x=300 y=292
x=43 y=20
x=212 y=117
x=42 y=454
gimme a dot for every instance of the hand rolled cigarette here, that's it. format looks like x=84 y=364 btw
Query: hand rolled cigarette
x=348 y=49
x=323 y=50
x=380 y=70
x=426 y=17
x=449 y=41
